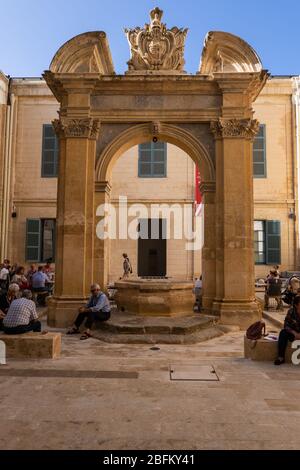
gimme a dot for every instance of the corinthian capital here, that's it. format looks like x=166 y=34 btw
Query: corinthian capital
x=87 y=128
x=235 y=128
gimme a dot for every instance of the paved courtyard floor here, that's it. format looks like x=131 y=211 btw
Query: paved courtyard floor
x=110 y=396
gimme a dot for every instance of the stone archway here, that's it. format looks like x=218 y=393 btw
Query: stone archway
x=208 y=114
x=171 y=133
x=188 y=141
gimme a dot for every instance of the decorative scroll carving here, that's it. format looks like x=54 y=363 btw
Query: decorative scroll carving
x=235 y=128
x=57 y=126
x=156 y=48
x=87 y=128
x=95 y=130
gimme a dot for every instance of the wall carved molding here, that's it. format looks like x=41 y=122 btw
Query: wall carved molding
x=235 y=128
x=86 y=128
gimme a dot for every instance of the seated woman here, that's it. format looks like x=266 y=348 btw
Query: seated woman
x=20 y=278
x=291 y=330
x=22 y=316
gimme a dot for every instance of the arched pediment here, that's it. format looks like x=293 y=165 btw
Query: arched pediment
x=85 y=53
x=225 y=52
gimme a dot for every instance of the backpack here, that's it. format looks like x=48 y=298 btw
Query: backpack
x=256 y=330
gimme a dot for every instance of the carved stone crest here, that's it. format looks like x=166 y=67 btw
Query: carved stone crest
x=156 y=49
x=235 y=128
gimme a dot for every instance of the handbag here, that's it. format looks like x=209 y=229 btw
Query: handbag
x=256 y=330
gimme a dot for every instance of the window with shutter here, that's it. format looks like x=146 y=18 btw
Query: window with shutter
x=33 y=240
x=259 y=153
x=40 y=240
x=49 y=152
x=273 y=242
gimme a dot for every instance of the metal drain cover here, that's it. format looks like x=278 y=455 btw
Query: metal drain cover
x=193 y=372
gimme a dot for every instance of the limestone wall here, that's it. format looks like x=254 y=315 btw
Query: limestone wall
x=176 y=188
x=33 y=196
x=274 y=196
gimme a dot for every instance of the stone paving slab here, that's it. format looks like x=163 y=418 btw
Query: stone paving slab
x=249 y=408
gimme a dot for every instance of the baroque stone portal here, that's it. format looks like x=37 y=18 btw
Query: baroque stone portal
x=209 y=115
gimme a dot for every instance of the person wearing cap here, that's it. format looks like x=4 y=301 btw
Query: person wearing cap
x=97 y=309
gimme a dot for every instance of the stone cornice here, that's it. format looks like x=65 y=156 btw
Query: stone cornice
x=86 y=128
x=234 y=128
x=102 y=187
x=207 y=187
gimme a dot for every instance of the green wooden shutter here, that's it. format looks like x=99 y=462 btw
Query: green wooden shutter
x=49 y=152
x=259 y=153
x=33 y=240
x=273 y=242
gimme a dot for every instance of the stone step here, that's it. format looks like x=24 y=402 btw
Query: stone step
x=32 y=345
x=199 y=336
x=121 y=323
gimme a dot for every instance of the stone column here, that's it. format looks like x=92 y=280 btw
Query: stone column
x=209 y=248
x=235 y=293
x=75 y=218
x=101 y=246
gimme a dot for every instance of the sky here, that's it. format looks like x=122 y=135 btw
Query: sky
x=33 y=30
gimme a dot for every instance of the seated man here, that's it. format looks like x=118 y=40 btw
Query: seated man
x=39 y=280
x=6 y=300
x=30 y=273
x=291 y=330
x=22 y=316
x=97 y=308
x=273 y=289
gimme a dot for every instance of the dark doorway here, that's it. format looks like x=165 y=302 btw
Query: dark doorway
x=152 y=248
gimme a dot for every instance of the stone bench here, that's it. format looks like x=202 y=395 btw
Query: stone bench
x=264 y=350
x=32 y=345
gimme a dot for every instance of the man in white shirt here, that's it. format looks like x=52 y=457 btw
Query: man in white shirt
x=22 y=316
x=4 y=276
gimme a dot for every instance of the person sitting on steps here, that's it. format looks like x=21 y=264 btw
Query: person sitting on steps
x=22 y=316
x=97 y=308
x=291 y=330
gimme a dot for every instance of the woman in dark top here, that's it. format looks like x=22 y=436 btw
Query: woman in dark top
x=291 y=330
x=6 y=300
